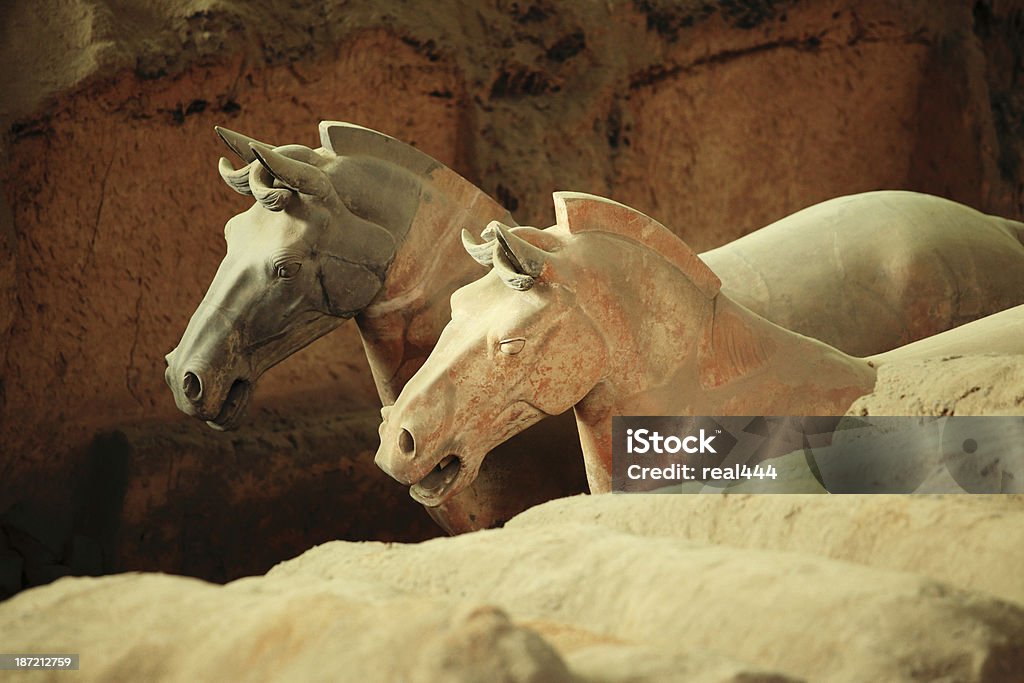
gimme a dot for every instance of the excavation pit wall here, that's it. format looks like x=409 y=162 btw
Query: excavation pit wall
x=715 y=121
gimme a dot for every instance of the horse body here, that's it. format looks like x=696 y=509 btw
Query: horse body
x=886 y=268
x=615 y=316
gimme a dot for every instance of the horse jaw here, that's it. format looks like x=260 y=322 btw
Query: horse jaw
x=234 y=407
x=454 y=472
x=436 y=473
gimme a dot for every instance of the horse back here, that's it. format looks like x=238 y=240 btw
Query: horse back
x=874 y=271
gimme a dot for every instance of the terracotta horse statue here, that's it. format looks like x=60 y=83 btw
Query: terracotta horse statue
x=367 y=227
x=608 y=313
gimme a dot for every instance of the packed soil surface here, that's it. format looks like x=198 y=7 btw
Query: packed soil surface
x=593 y=588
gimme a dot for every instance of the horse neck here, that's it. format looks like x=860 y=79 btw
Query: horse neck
x=748 y=365
x=673 y=351
x=402 y=324
x=647 y=321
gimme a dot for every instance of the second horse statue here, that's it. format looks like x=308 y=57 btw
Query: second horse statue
x=609 y=313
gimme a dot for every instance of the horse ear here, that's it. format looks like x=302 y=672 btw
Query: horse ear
x=237 y=180
x=348 y=287
x=240 y=144
x=509 y=272
x=294 y=174
x=523 y=256
x=518 y=261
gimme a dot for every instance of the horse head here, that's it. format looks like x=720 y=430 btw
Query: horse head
x=602 y=307
x=518 y=349
x=298 y=263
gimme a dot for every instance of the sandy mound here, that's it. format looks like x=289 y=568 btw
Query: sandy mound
x=957 y=385
x=157 y=627
x=896 y=532
x=154 y=627
x=796 y=613
x=624 y=596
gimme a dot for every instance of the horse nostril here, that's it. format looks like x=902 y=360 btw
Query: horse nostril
x=192 y=387
x=405 y=442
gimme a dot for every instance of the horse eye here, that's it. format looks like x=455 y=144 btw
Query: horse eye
x=288 y=270
x=511 y=347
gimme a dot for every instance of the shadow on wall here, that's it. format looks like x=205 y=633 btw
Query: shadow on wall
x=37 y=548
x=181 y=498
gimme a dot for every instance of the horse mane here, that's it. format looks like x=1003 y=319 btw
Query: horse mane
x=728 y=349
x=348 y=139
x=578 y=212
x=436 y=180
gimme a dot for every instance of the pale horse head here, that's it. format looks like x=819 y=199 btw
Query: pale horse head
x=298 y=263
x=518 y=349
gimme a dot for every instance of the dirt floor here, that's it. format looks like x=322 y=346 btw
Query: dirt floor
x=593 y=588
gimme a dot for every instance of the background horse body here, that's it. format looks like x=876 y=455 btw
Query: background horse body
x=884 y=268
x=613 y=316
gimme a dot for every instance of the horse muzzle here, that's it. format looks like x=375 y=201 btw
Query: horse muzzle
x=432 y=479
x=199 y=392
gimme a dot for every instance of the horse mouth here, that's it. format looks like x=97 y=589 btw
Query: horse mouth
x=440 y=483
x=233 y=407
